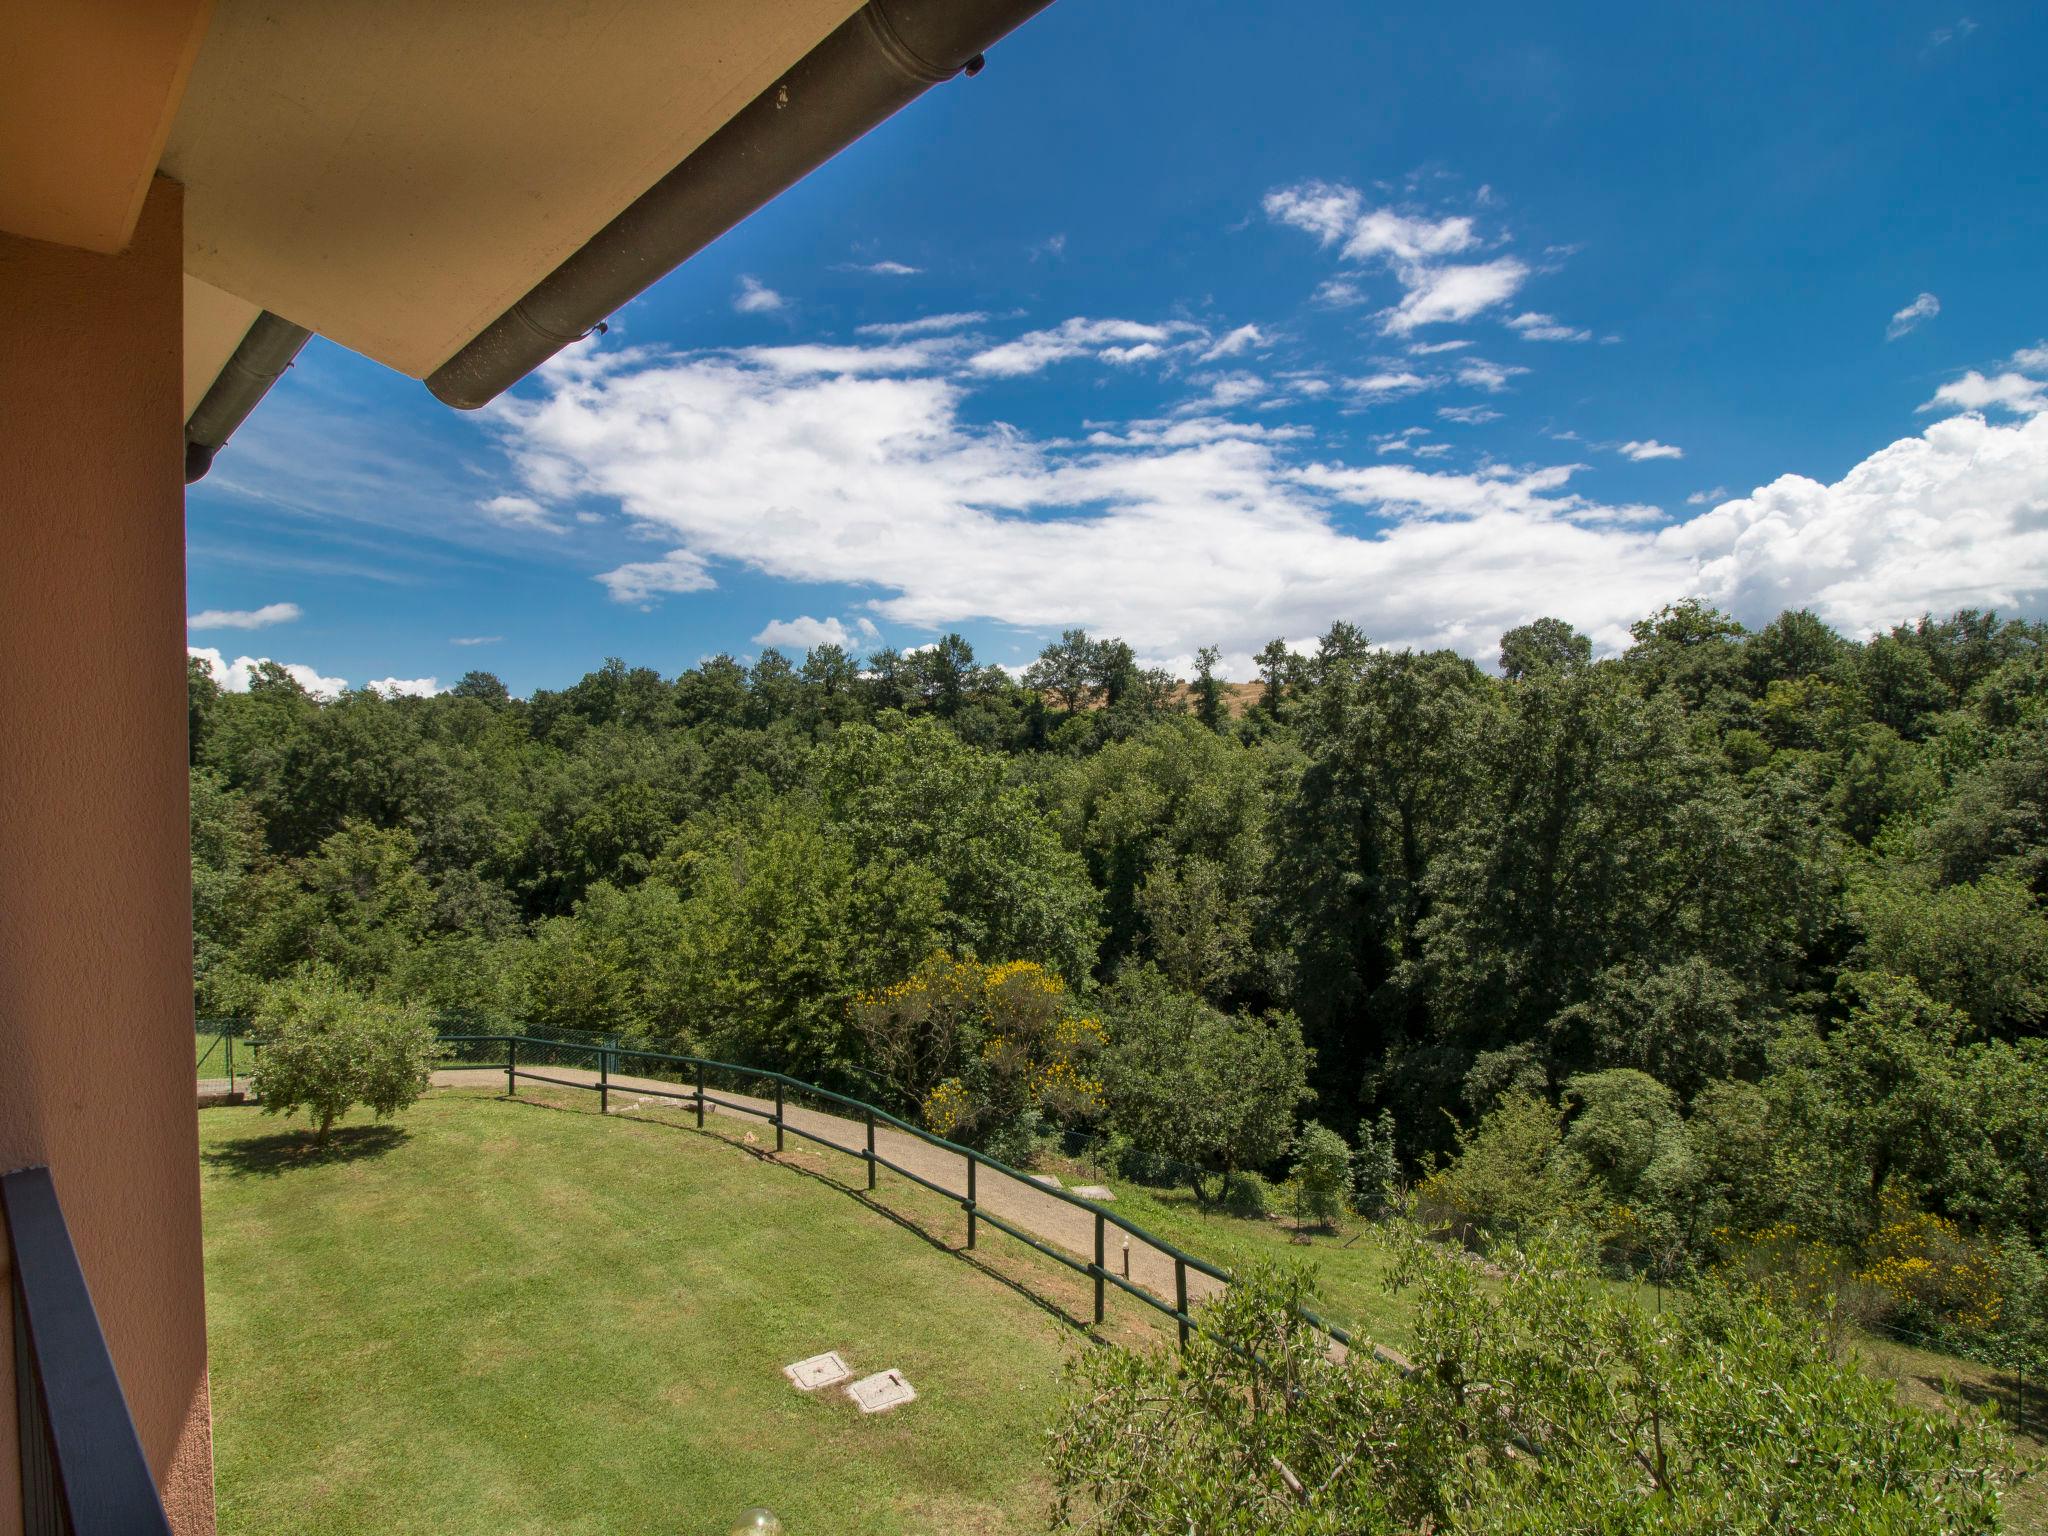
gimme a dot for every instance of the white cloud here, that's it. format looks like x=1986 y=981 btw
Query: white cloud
x=1390 y=385
x=1649 y=448
x=1468 y=415
x=2032 y=359
x=414 y=687
x=2008 y=391
x=243 y=618
x=1079 y=337
x=234 y=675
x=1705 y=498
x=1430 y=348
x=1243 y=339
x=804 y=633
x=821 y=357
x=896 y=330
x=1941 y=37
x=885 y=268
x=1957 y=517
x=1440 y=295
x=1491 y=377
x=757 y=298
x=1207 y=530
x=1926 y=307
x=642 y=581
x=1413 y=247
x=519 y=512
x=1535 y=327
x=476 y=639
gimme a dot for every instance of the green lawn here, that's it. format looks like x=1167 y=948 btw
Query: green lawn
x=506 y=1317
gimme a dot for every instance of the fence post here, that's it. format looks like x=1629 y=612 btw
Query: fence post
x=973 y=1162
x=1180 y=1297
x=511 y=1063
x=231 y=1063
x=604 y=1082
x=700 y=1095
x=1099 y=1256
x=871 y=1149
x=778 y=1114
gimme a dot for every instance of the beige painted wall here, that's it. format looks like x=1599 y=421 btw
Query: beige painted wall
x=95 y=885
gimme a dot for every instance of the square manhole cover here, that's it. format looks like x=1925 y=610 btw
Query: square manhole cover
x=818 y=1371
x=881 y=1392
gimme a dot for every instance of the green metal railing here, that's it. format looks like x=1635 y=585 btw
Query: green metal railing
x=697 y=1071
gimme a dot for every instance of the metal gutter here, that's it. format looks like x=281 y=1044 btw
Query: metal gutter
x=266 y=350
x=879 y=60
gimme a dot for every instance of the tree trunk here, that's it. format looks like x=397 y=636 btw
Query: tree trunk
x=326 y=1125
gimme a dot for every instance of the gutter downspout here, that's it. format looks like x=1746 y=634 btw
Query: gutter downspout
x=879 y=60
x=266 y=350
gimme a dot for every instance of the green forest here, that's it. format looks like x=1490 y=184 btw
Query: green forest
x=1729 y=947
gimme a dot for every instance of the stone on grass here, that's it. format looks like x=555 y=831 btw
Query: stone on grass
x=1094 y=1192
x=818 y=1371
x=1046 y=1179
x=881 y=1392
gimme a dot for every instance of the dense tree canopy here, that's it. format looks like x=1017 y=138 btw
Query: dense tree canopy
x=1733 y=933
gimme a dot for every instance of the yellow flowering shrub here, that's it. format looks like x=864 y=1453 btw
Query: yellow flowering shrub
x=979 y=1047
x=1928 y=1268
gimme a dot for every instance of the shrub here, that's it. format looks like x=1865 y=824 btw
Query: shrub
x=1320 y=1186
x=1248 y=1195
x=329 y=1048
x=1375 y=1167
x=1511 y=1172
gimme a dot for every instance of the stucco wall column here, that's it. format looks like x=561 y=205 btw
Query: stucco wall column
x=95 y=883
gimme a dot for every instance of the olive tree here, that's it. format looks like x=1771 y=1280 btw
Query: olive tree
x=1540 y=1404
x=328 y=1048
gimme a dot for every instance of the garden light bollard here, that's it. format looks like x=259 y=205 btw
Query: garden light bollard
x=778 y=1114
x=700 y=1095
x=512 y=1064
x=871 y=1149
x=1099 y=1234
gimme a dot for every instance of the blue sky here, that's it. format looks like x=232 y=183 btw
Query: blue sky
x=1228 y=321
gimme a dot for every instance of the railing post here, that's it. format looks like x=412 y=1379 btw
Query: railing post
x=778 y=1114
x=1180 y=1297
x=973 y=1163
x=604 y=1081
x=1099 y=1256
x=511 y=1063
x=871 y=1149
x=700 y=1095
x=231 y=1065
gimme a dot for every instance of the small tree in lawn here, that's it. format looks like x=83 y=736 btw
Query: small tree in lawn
x=1216 y=1092
x=328 y=1048
x=1321 y=1182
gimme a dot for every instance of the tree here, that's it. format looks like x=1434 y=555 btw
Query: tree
x=328 y=1048
x=1276 y=665
x=1543 y=645
x=1066 y=670
x=484 y=687
x=1216 y=1092
x=1209 y=688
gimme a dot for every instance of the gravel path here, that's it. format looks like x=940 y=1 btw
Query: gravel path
x=1020 y=1202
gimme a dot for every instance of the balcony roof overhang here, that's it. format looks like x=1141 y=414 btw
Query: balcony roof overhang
x=455 y=190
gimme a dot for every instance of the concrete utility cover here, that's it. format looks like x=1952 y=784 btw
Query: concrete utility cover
x=818 y=1371
x=1094 y=1192
x=1046 y=1179
x=881 y=1392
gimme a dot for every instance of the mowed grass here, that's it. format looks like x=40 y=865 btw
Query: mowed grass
x=501 y=1316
